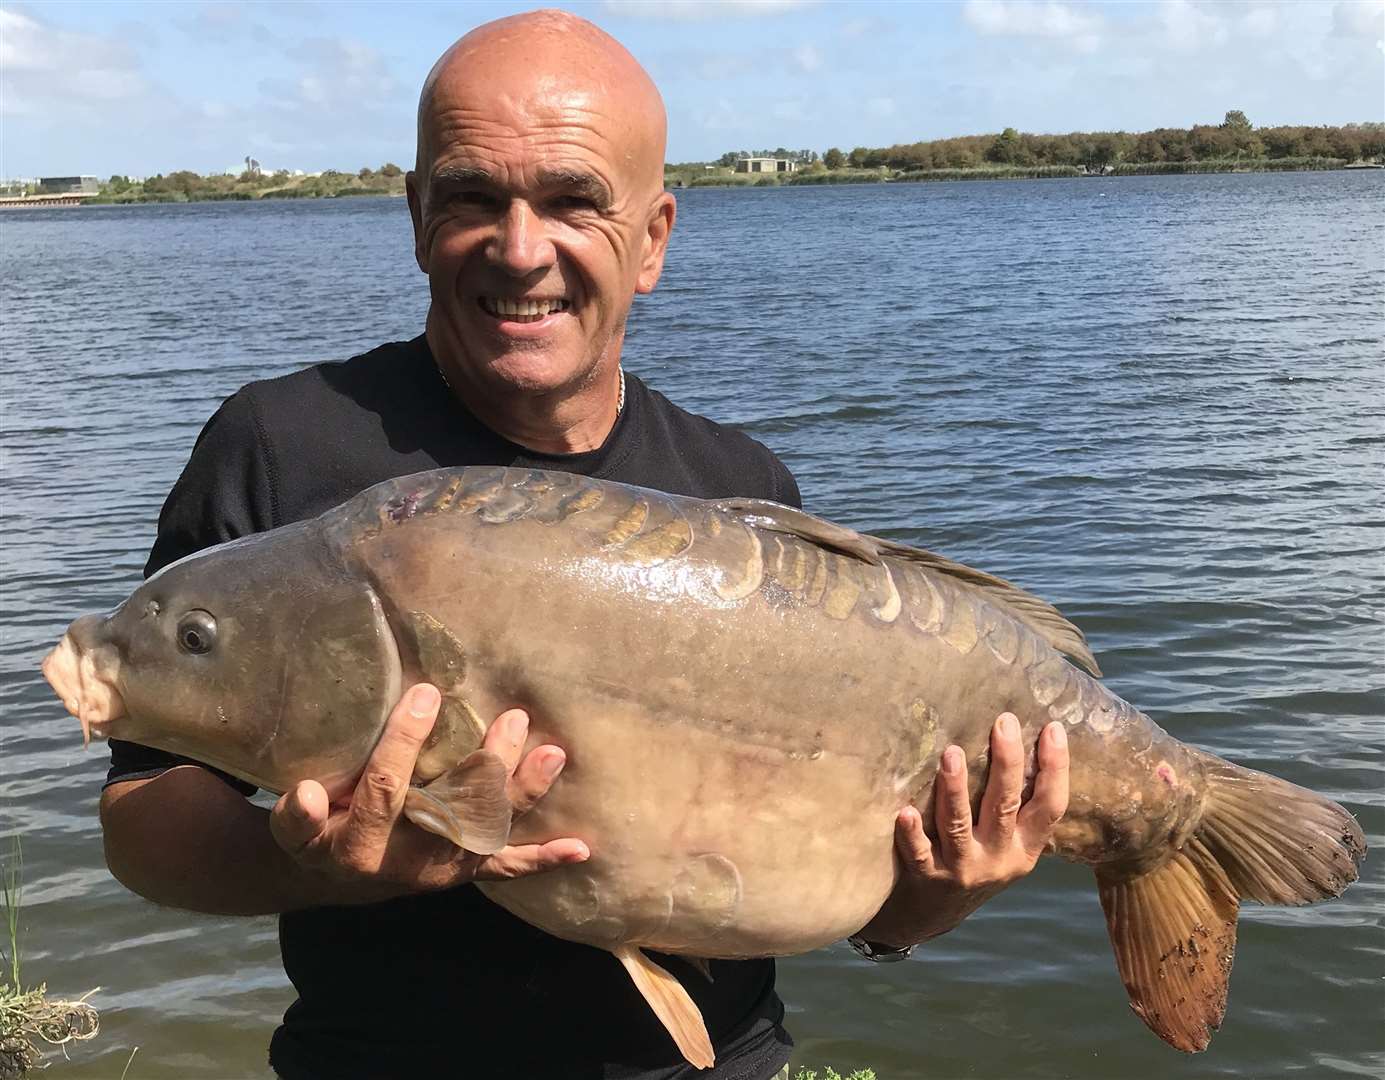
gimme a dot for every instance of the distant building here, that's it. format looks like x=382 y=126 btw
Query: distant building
x=765 y=164
x=69 y=185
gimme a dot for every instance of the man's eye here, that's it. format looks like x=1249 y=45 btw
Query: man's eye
x=574 y=202
x=478 y=199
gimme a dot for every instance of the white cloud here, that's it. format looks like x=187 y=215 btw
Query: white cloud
x=693 y=10
x=861 y=27
x=1359 y=18
x=807 y=58
x=1079 y=29
x=340 y=74
x=47 y=70
x=725 y=116
x=1189 y=28
x=1260 y=21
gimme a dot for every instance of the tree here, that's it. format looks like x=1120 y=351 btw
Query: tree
x=1005 y=149
x=834 y=158
x=391 y=170
x=857 y=157
x=118 y=185
x=1236 y=121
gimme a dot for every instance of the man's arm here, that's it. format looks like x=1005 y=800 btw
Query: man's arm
x=186 y=839
x=941 y=884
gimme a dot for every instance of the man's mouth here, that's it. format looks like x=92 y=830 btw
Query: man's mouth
x=521 y=310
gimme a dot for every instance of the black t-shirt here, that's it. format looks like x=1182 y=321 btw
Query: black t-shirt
x=448 y=984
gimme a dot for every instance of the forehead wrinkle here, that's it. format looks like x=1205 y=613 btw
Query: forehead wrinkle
x=558 y=145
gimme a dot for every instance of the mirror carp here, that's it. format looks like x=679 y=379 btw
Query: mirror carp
x=747 y=695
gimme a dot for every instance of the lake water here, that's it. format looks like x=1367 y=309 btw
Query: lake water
x=1155 y=401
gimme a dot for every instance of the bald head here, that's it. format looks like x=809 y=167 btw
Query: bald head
x=545 y=64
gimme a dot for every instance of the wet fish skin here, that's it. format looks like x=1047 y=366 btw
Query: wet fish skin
x=747 y=696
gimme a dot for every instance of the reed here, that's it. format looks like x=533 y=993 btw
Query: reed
x=1228 y=165
x=28 y=1016
x=995 y=172
x=837 y=176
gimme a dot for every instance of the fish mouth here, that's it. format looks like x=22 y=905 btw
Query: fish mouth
x=81 y=678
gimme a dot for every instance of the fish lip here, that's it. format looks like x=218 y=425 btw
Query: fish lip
x=88 y=693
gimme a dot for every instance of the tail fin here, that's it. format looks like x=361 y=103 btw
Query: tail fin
x=1174 y=928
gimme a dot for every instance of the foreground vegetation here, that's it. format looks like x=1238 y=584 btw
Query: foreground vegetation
x=28 y=1016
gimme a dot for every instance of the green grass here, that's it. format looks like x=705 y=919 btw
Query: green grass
x=832 y=1074
x=995 y=172
x=27 y=1014
x=1229 y=165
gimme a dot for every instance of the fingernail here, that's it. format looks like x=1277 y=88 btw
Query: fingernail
x=952 y=760
x=581 y=853
x=552 y=765
x=516 y=726
x=424 y=700
x=1060 y=736
x=1009 y=727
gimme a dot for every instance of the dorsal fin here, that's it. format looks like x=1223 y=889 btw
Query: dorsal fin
x=1039 y=615
x=776 y=517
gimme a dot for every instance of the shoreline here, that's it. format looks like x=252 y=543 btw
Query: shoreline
x=683 y=179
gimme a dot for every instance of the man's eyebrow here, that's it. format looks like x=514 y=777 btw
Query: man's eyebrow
x=459 y=176
x=575 y=182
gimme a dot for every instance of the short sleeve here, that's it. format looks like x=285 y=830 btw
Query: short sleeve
x=226 y=490
x=785 y=486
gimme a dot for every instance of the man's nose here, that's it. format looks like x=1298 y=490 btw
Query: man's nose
x=521 y=244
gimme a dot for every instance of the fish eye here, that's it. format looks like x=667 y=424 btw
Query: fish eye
x=197 y=632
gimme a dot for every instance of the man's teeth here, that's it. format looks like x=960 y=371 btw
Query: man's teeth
x=533 y=309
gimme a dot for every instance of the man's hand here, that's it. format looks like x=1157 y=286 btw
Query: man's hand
x=944 y=882
x=365 y=853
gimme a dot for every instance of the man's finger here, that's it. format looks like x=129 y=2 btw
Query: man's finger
x=525 y=859
x=1050 y=799
x=534 y=777
x=380 y=792
x=912 y=842
x=1001 y=802
x=952 y=807
x=506 y=737
x=299 y=816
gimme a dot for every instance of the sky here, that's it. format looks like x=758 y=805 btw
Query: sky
x=140 y=88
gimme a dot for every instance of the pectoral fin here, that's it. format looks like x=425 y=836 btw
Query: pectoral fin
x=701 y=965
x=671 y=1004
x=467 y=804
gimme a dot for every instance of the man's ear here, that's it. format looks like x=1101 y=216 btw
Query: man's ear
x=416 y=212
x=657 y=230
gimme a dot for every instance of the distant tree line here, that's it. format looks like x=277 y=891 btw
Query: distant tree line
x=1234 y=138
x=803 y=157
x=186 y=186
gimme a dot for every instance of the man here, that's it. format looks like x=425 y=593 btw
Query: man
x=539 y=212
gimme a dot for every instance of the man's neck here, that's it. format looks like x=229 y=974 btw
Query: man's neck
x=561 y=422
x=549 y=423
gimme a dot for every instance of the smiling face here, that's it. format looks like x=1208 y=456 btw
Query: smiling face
x=539 y=210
